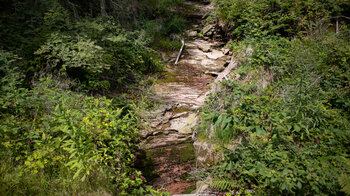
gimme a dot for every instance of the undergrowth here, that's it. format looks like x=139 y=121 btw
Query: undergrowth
x=294 y=132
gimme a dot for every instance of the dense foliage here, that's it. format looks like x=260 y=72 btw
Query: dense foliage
x=55 y=137
x=247 y=18
x=77 y=41
x=295 y=133
x=287 y=107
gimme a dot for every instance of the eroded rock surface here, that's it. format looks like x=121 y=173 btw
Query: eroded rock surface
x=167 y=142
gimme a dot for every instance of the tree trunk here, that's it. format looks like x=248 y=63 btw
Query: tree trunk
x=103 y=8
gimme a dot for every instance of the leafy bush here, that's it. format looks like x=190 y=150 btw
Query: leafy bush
x=270 y=17
x=281 y=167
x=168 y=45
x=54 y=141
x=100 y=56
x=176 y=25
x=63 y=52
x=295 y=132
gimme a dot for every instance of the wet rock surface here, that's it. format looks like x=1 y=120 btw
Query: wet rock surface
x=167 y=144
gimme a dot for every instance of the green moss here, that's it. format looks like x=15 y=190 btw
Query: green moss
x=190 y=189
x=173 y=77
x=180 y=110
x=177 y=154
x=187 y=153
x=169 y=79
x=170 y=73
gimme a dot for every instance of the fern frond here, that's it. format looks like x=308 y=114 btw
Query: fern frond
x=223 y=185
x=344 y=181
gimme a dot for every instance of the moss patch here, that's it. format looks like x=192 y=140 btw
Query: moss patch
x=180 y=110
x=190 y=189
x=187 y=153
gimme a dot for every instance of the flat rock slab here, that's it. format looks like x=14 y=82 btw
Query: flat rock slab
x=184 y=125
x=204 y=48
x=215 y=54
x=212 y=66
x=200 y=42
x=191 y=33
x=164 y=140
x=195 y=52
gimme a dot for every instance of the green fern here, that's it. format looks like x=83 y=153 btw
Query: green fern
x=344 y=179
x=223 y=185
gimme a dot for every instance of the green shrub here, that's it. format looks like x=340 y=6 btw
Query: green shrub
x=100 y=56
x=63 y=52
x=270 y=17
x=295 y=132
x=168 y=45
x=344 y=178
x=67 y=138
x=175 y=24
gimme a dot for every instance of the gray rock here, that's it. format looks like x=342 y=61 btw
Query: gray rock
x=212 y=66
x=208 y=30
x=214 y=74
x=182 y=106
x=144 y=134
x=205 y=154
x=166 y=117
x=204 y=48
x=195 y=108
x=226 y=51
x=203 y=188
x=179 y=115
x=164 y=140
x=156 y=133
x=215 y=54
x=155 y=124
x=195 y=52
x=192 y=33
x=184 y=125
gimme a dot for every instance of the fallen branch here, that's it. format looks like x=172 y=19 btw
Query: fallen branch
x=180 y=52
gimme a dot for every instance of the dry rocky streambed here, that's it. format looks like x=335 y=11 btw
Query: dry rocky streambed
x=169 y=156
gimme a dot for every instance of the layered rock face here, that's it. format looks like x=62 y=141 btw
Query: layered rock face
x=168 y=152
